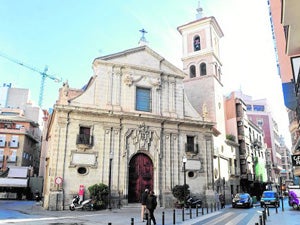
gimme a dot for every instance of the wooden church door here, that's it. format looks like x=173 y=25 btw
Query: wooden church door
x=140 y=177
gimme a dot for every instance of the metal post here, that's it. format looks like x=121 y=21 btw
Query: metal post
x=174 y=217
x=202 y=210
x=132 y=221
x=260 y=220
x=282 y=206
x=109 y=223
x=191 y=212
x=109 y=181
x=211 y=207
x=184 y=160
x=206 y=208
x=268 y=211
x=276 y=209
x=183 y=214
x=163 y=218
x=197 y=211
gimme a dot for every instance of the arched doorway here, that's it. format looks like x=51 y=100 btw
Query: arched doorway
x=140 y=176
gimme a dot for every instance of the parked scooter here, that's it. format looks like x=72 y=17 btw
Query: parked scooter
x=193 y=202
x=37 y=196
x=84 y=205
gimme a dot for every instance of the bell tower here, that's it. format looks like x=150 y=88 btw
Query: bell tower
x=201 y=62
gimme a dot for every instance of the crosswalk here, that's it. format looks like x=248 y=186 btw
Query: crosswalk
x=226 y=218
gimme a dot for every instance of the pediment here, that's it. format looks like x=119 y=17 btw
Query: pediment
x=142 y=56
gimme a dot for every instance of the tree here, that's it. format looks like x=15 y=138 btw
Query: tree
x=180 y=192
x=99 y=193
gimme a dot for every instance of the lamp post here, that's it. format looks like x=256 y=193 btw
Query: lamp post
x=109 y=180
x=184 y=160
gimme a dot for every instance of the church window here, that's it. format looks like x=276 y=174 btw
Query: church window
x=197 y=45
x=192 y=71
x=84 y=137
x=82 y=170
x=190 y=144
x=143 y=99
x=202 y=69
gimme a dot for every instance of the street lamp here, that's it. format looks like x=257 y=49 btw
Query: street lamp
x=184 y=160
x=109 y=180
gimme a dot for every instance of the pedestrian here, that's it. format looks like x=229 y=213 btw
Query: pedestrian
x=222 y=201
x=151 y=206
x=144 y=201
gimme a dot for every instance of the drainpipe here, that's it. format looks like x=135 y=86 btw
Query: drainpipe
x=65 y=152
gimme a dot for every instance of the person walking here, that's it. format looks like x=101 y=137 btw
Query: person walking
x=222 y=200
x=151 y=206
x=144 y=201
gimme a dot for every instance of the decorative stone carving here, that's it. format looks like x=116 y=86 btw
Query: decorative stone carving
x=128 y=79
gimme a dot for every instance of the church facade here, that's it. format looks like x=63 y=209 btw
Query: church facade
x=136 y=120
x=130 y=127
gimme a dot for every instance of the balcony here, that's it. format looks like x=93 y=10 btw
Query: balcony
x=84 y=140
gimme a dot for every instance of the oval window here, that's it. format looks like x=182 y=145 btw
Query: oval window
x=82 y=170
x=191 y=174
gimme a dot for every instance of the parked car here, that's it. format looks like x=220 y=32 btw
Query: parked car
x=294 y=196
x=270 y=198
x=242 y=200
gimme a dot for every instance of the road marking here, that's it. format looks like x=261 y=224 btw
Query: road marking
x=237 y=219
x=42 y=219
x=218 y=220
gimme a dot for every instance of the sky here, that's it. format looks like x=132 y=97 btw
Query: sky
x=67 y=35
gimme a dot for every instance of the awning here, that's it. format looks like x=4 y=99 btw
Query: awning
x=289 y=95
x=13 y=182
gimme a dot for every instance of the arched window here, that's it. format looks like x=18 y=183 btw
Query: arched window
x=192 y=71
x=202 y=69
x=197 y=45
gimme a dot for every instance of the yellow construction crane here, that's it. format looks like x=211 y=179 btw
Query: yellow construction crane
x=42 y=73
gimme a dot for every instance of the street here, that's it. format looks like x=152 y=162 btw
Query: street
x=29 y=212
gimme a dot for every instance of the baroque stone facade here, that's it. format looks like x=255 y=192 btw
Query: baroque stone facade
x=131 y=121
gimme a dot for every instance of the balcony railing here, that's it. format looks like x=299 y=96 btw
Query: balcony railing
x=84 y=139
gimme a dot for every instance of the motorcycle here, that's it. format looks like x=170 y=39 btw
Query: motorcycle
x=37 y=196
x=84 y=205
x=192 y=202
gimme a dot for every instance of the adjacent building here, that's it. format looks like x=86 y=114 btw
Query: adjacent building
x=284 y=17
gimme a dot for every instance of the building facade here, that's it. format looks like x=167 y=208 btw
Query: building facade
x=285 y=26
x=129 y=128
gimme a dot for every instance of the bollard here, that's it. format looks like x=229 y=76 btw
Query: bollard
x=276 y=209
x=206 y=208
x=260 y=220
x=256 y=223
x=132 y=221
x=109 y=223
x=163 y=218
x=174 y=217
x=218 y=206
x=264 y=214
x=183 y=214
x=197 y=211
x=191 y=215
x=211 y=207
x=202 y=210
x=268 y=211
x=215 y=206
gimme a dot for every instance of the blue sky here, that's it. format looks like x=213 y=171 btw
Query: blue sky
x=66 y=35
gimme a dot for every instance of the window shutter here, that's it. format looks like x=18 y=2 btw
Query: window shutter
x=143 y=99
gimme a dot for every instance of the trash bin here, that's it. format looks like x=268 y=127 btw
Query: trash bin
x=254 y=199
